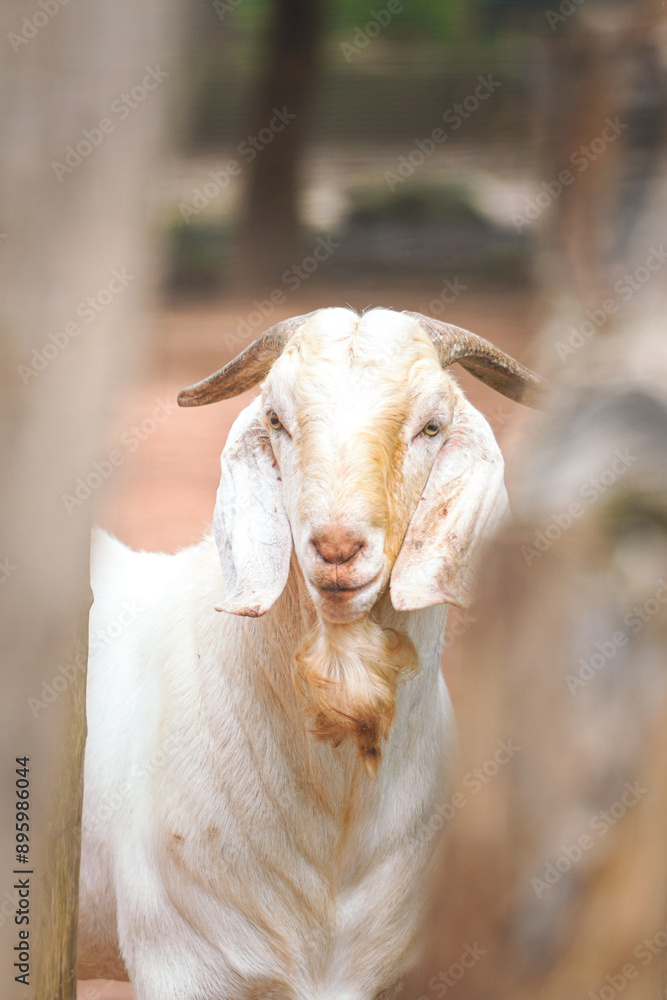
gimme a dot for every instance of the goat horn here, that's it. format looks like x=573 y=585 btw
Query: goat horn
x=246 y=369
x=483 y=360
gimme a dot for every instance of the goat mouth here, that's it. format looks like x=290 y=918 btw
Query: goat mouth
x=339 y=588
x=341 y=592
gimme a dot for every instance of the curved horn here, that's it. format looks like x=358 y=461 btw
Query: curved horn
x=246 y=369
x=483 y=360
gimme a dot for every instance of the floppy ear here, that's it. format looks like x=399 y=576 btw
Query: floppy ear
x=463 y=502
x=249 y=522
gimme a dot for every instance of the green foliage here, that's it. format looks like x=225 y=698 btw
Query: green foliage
x=197 y=251
x=415 y=203
x=440 y=21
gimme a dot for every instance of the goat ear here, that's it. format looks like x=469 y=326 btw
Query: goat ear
x=463 y=502
x=250 y=524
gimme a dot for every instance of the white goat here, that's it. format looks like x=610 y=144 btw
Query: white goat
x=234 y=843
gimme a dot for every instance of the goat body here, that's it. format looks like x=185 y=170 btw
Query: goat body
x=226 y=852
x=256 y=780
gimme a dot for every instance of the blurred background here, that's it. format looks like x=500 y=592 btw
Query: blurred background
x=175 y=178
x=303 y=172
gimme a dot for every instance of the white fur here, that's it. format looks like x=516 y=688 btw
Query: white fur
x=226 y=852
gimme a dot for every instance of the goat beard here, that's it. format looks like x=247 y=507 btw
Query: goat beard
x=346 y=676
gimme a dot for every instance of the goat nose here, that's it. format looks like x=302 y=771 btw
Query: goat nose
x=337 y=545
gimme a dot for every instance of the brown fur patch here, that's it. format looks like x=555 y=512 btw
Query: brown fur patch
x=346 y=676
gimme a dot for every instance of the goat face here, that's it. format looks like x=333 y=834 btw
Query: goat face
x=364 y=456
x=356 y=411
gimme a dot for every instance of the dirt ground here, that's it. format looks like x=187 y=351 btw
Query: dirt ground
x=161 y=493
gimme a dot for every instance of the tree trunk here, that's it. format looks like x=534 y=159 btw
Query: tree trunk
x=270 y=234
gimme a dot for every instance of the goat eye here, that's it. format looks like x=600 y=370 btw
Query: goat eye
x=274 y=420
x=432 y=428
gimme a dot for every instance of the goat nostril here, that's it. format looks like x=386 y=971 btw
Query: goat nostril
x=337 y=551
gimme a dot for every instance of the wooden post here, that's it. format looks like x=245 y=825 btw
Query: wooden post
x=82 y=90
